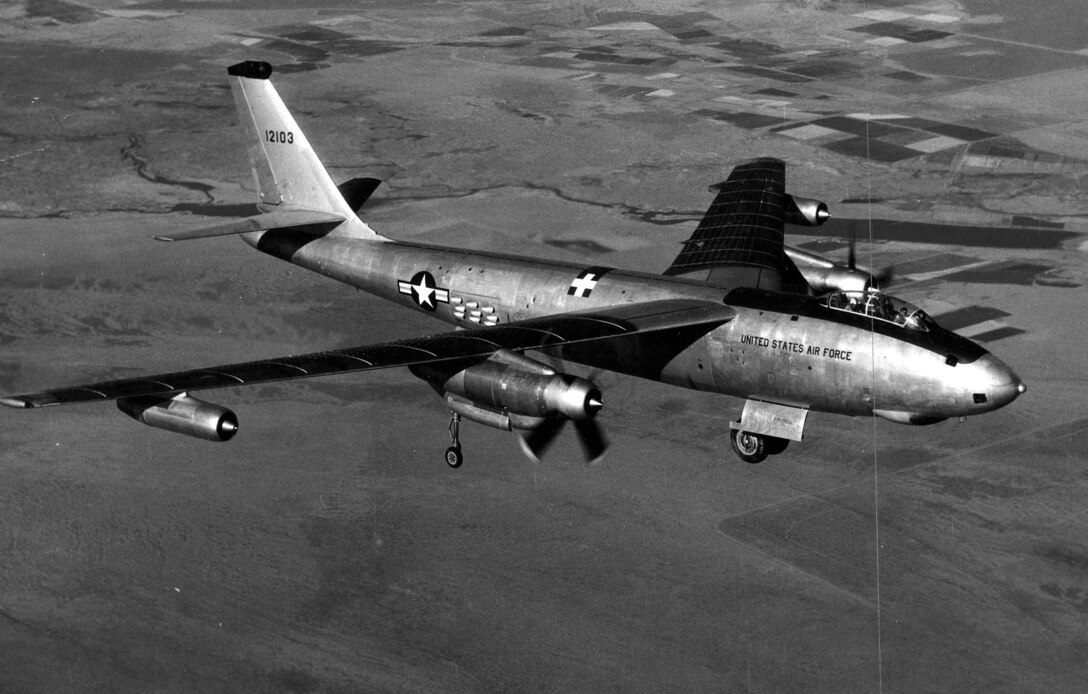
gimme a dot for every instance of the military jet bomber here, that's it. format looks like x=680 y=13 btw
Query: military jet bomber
x=737 y=312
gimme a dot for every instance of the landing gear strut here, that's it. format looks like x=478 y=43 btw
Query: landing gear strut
x=453 y=453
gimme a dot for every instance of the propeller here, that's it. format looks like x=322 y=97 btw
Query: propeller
x=883 y=279
x=880 y=279
x=590 y=435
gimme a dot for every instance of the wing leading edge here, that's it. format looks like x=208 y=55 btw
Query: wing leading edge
x=621 y=331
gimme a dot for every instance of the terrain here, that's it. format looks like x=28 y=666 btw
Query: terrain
x=327 y=548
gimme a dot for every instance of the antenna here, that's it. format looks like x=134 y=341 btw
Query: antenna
x=872 y=389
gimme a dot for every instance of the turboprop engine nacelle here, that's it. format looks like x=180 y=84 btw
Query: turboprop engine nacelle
x=805 y=212
x=825 y=276
x=182 y=414
x=511 y=383
x=837 y=279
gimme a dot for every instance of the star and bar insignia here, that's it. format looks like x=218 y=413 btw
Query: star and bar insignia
x=424 y=290
x=587 y=279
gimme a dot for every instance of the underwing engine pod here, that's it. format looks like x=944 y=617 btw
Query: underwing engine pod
x=804 y=212
x=511 y=391
x=182 y=414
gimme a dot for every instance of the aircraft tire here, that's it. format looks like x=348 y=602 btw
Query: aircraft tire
x=454 y=458
x=751 y=448
x=775 y=445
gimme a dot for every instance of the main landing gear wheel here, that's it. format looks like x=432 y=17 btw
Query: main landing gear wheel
x=454 y=458
x=453 y=453
x=751 y=448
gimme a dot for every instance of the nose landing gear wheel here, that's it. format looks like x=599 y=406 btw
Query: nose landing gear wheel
x=751 y=448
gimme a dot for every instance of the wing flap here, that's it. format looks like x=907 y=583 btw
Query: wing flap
x=615 y=335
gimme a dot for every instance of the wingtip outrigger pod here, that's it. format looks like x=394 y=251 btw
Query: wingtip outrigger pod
x=253 y=69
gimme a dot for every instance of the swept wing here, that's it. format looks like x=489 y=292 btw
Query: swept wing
x=641 y=334
x=740 y=239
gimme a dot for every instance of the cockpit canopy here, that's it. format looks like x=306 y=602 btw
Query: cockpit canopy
x=882 y=307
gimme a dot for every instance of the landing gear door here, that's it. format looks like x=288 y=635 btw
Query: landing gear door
x=769 y=419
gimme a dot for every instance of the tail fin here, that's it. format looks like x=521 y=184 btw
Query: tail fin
x=286 y=170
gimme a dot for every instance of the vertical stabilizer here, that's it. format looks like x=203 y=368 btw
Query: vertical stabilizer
x=286 y=170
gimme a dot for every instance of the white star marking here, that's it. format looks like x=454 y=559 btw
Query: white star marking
x=423 y=292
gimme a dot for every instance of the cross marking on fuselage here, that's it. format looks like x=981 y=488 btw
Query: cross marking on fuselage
x=586 y=280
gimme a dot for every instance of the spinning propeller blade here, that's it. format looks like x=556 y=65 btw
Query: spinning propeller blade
x=884 y=278
x=594 y=443
x=590 y=435
x=537 y=441
x=881 y=279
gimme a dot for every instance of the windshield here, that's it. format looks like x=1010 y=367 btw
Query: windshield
x=883 y=307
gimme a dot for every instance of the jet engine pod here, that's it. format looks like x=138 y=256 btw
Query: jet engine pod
x=805 y=212
x=182 y=414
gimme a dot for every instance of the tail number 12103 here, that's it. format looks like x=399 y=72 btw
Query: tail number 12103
x=280 y=136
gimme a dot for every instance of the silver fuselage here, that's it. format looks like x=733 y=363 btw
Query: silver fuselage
x=784 y=348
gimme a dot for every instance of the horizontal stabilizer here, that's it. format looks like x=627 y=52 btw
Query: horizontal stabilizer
x=298 y=219
x=357 y=191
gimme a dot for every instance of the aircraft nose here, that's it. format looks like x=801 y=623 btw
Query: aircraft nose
x=1003 y=385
